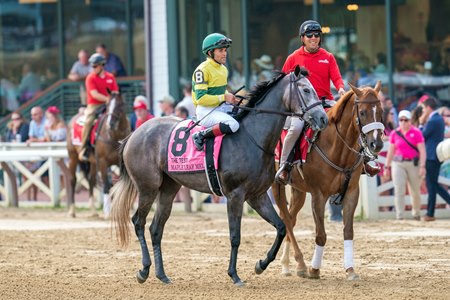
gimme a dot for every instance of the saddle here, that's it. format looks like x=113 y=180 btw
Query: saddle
x=78 y=125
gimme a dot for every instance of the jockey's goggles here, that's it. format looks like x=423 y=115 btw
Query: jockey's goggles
x=225 y=42
x=312 y=27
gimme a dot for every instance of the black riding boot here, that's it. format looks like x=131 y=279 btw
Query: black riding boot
x=216 y=130
x=283 y=175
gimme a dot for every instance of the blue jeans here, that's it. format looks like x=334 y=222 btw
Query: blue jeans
x=432 y=168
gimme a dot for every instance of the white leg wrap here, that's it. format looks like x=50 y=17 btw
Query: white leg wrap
x=316 y=262
x=285 y=258
x=348 y=254
x=106 y=205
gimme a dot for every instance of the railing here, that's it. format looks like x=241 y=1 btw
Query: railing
x=65 y=94
x=372 y=201
x=13 y=156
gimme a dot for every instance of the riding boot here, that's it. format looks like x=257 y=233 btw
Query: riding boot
x=370 y=170
x=216 y=130
x=283 y=175
x=84 y=154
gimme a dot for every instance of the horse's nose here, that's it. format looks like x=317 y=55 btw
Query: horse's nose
x=323 y=122
x=376 y=146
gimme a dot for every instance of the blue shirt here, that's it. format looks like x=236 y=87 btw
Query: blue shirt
x=114 y=65
x=37 y=130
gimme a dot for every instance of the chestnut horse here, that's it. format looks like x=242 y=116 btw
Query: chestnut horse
x=113 y=127
x=354 y=130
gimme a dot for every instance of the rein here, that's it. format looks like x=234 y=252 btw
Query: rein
x=303 y=106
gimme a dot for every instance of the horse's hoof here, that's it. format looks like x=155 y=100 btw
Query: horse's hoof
x=258 y=268
x=353 y=276
x=165 y=280
x=286 y=272
x=140 y=278
x=302 y=273
x=239 y=283
x=313 y=273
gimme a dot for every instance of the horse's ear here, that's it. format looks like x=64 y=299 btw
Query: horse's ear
x=378 y=86
x=355 y=90
x=297 y=70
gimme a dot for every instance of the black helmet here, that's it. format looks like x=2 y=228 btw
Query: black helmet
x=310 y=26
x=97 y=59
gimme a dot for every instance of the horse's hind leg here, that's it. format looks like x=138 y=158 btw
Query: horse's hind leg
x=168 y=191
x=139 y=221
x=263 y=206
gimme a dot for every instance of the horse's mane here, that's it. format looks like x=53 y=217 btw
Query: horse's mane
x=258 y=92
x=335 y=113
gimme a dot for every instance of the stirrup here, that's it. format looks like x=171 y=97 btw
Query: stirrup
x=283 y=175
x=198 y=141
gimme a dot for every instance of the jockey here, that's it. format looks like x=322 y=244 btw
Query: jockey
x=322 y=68
x=209 y=83
x=98 y=82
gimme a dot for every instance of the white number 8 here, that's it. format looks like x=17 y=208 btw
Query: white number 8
x=198 y=77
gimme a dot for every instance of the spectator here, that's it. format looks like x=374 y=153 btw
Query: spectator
x=265 y=67
x=187 y=102
x=79 y=71
x=380 y=63
x=389 y=105
x=29 y=85
x=113 y=63
x=433 y=127
x=50 y=77
x=55 y=129
x=181 y=112
x=406 y=156
x=132 y=117
x=8 y=95
x=237 y=80
x=17 y=128
x=141 y=112
x=37 y=125
x=166 y=104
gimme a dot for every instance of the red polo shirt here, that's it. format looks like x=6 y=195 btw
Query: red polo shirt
x=322 y=67
x=100 y=83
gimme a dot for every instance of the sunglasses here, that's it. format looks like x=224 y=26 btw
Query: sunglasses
x=311 y=34
x=16 y=119
x=404 y=120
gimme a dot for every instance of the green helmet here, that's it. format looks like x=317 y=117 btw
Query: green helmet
x=214 y=41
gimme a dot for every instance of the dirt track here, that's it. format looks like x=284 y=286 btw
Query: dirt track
x=46 y=258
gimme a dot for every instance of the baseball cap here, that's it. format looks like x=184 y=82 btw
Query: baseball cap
x=167 y=99
x=405 y=114
x=139 y=104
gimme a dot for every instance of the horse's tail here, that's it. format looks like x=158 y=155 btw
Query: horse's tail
x=122 y=195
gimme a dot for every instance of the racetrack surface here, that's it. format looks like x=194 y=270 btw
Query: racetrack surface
x=45 y=255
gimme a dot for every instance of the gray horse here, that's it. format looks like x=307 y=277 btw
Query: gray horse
x=246 y=169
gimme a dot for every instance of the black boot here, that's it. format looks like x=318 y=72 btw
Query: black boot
x=199 y=137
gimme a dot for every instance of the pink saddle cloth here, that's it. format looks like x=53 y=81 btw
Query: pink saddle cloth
x=183 y=156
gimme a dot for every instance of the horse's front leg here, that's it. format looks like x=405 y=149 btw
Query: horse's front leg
x=318 y=206
x=350 y=202
x=103 y=167
x=234 y=208
x=263 y=206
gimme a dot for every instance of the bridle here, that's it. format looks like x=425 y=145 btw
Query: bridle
x=293 y=90
x=364 y=150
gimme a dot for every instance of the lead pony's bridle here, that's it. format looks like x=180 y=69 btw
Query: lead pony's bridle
x=363 y=130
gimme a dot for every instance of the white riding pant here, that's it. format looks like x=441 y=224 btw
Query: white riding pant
x=295 y=129
x=219 y=115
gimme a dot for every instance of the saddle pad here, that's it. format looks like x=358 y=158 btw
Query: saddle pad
x=301 y=148
x=182 y=156
x=77 y=131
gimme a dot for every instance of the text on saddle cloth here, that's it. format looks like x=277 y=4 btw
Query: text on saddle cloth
x=182 y=156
